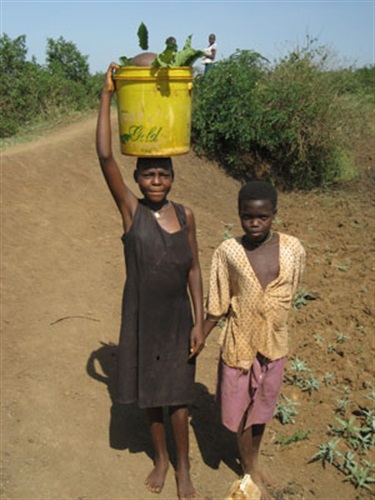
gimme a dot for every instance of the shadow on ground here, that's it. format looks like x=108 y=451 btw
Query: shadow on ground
x=128 y=427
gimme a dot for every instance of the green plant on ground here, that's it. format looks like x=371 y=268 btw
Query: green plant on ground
x=343 y=402
x=347 y=430
x=298 y=366
x=327 y=452
x=341 y=338
x=344 y=267
x=301 y=298
x=319 y=338
x=371 y=396
x=328 y=378
x=300 y=375
x=286 y=410
x=356 y=438
x=336 y=347
x=359 y=475
x=227 y=233
x=294 y=438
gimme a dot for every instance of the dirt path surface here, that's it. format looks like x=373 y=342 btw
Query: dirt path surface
x=62 y=275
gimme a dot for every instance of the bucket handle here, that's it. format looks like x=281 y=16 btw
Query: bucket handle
x=189 y=86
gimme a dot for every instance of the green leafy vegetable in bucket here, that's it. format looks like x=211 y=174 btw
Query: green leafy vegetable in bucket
x=143 y=36
x=170 y=57
x=185 y=57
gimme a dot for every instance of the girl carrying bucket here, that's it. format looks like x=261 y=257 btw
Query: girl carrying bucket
x=159 y=339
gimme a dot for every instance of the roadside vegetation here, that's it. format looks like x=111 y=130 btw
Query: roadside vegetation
x=293 y=121
x=34 y=94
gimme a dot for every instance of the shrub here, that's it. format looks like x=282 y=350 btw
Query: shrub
x=31 y=92
x=283 y=123
x=222 y=111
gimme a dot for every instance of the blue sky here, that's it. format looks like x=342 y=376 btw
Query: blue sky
x=105 y=30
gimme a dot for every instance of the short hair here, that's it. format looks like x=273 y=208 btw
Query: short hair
x=144 y=163
x=171 y=40
x=257 y=190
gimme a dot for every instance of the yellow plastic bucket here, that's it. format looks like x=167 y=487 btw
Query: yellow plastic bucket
x=154 y=110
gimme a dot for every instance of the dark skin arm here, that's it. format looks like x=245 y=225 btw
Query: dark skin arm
x=125 y=200
x=127 y=203
x=195 y=288
x=208 y=325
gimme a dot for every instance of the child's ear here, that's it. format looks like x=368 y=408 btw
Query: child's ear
x=136 y=176
x=275 y=212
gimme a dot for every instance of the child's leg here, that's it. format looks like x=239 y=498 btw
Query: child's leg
x=180 y=426
x=249 y=445
x=155 y=480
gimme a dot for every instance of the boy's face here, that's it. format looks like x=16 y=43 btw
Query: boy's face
x=154 y=183
x=256 y=219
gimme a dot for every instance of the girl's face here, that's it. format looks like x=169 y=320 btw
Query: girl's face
x=256 y=219
x=155 y=183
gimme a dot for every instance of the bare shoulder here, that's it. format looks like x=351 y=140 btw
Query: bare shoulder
x=189 y=214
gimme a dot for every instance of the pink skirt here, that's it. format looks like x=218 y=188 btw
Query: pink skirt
x=250 y=396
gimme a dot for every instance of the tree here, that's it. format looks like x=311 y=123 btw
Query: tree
x=12 y=54
x=64 y=58
x=17 y=84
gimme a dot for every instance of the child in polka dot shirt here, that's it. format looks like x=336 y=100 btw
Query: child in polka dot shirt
x=252 y=284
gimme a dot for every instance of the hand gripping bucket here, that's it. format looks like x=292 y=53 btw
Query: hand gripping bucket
x=154 y=110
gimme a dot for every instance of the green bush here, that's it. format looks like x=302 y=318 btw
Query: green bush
x=284 y=123
x=223 y=109
x=32 y=92
x=299 y=123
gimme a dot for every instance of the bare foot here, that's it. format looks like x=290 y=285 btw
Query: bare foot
x=185 y=488
x=155 y=480
x=265 y=495
x=267 y=479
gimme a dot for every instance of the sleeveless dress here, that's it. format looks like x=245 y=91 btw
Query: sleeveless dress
x=153 y=367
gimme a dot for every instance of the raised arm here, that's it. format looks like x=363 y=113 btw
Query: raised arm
x=125 y=200
x=195 y=288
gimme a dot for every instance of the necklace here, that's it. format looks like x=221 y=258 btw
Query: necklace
x=256 y=246
x=162 y=209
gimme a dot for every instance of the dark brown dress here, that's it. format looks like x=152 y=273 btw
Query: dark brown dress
x=153 y=367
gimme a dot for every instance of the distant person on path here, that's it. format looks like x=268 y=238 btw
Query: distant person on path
x=252 y=284
x=159 y=339
x=210 y=53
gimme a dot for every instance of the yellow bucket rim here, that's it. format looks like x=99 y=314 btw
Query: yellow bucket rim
x=150 y=73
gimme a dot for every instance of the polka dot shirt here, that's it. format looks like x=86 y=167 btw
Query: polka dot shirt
x=256 y=318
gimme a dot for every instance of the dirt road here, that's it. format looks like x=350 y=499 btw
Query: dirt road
x=62 y=276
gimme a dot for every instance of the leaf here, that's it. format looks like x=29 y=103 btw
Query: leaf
x=187 y=56
x=125 y=61
x=143 y=36
x=164 y=59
